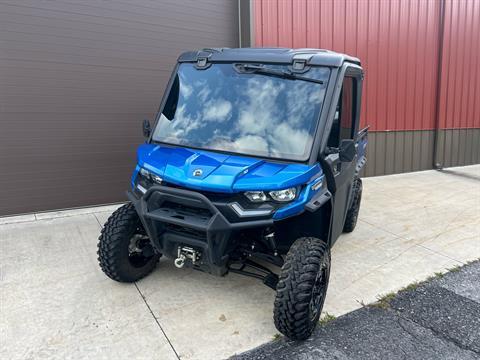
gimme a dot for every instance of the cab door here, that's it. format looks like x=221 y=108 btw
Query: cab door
x=344 y=127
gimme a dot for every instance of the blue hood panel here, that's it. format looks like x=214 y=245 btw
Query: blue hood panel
x=221 y=172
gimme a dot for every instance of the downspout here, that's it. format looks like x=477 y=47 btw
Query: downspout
x=437 y=161
x=245 y=23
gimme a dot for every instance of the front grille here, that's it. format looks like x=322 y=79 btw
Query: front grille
x=180 y=230
x=180 y=209
x=221 y=201
x=212 y=196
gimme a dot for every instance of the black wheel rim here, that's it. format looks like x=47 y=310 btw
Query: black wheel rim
x=319 y=290
x=140 y=250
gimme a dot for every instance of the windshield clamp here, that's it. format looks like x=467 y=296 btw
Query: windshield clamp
x=299 y=64
x=202 y=62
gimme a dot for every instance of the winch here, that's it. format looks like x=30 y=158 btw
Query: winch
x=185 y=253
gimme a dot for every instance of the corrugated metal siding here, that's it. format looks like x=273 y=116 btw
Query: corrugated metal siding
x=458 y=147
x=392 y=152
x=77 y=78
x=399 y=45
x=460 y=83
x=396 y=41
x=459 y=108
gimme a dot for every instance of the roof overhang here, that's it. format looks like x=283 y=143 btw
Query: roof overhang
x=270 y=55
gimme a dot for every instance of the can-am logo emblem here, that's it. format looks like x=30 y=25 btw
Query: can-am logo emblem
x=197 y=172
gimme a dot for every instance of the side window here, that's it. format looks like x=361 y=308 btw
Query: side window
x=344 y=118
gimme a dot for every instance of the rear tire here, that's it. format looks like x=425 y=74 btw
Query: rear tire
x=352 y=214
x=302 y=288
x=125 y=253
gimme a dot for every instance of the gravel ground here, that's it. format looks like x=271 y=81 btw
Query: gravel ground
x=438 y=319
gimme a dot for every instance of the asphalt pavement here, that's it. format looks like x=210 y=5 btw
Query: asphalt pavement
x=437 y=319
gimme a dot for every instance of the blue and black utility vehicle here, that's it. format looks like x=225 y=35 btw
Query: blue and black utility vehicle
x=252 y=167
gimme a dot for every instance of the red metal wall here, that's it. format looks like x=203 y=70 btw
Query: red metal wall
x=460 y=82
x=397 y=42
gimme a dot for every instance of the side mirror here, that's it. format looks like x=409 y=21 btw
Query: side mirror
x=146 y=129
x=347 y=150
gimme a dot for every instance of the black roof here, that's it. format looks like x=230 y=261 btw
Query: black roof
x=270 y=55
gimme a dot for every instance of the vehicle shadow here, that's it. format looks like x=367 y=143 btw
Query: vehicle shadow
x=206 y=316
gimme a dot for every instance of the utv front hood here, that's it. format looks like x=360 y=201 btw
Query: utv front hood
x=212 y=171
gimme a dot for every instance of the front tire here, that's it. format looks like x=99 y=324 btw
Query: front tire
x=125 y=253
x=302 y=288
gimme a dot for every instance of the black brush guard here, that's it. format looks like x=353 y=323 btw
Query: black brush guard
x=175 y=217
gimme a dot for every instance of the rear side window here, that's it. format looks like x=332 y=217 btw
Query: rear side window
x=344 y=119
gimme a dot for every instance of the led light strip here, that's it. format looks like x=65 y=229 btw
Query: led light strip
x=141 y=188
x=244 y=213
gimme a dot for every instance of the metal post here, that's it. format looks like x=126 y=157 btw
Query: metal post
x=437 y=160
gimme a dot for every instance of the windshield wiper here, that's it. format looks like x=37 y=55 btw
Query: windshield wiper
x=258 y=69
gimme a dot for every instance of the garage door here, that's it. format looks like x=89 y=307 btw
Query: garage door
x=77 y=79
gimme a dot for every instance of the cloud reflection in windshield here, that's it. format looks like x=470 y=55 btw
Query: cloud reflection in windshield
x=220 y=109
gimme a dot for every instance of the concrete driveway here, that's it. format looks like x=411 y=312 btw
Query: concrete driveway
x=57 y=304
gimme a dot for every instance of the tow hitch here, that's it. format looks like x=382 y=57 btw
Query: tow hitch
x=185 y=253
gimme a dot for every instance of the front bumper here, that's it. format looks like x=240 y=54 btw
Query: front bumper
x=175 y=217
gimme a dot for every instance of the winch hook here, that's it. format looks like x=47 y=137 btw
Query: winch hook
x=180 y=261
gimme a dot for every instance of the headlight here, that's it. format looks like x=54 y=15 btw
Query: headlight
x=145 y=173
x=256 y=196
x=283 y=195
x=150 y=176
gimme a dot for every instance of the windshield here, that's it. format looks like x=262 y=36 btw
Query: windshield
x=220 y=108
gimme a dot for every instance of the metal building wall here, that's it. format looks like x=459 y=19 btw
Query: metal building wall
x=76 y=80
x=459 y=105
x=401 y=46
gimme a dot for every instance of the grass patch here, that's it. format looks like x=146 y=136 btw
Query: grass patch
x=276 y=336
x=361 y=302
x=437 y=275
x=456 y=268
x=384 y=300
x=411 y=286
x=327 y=318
